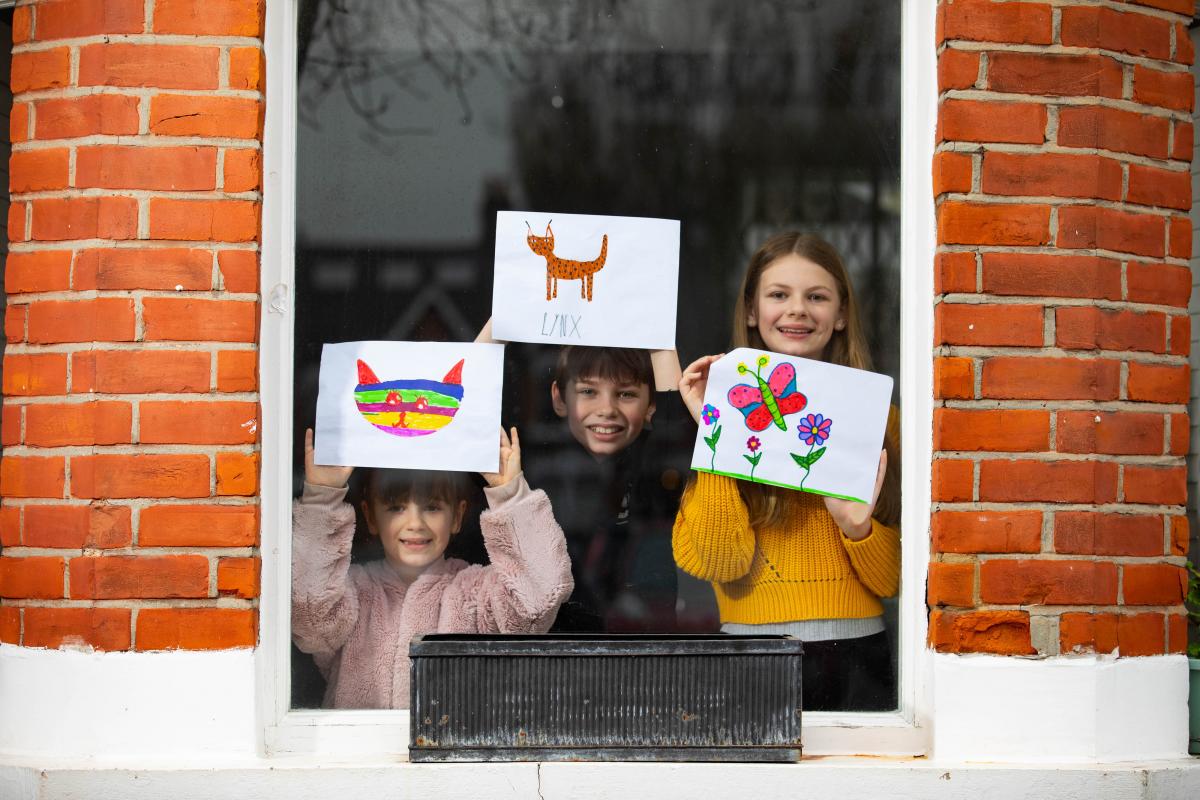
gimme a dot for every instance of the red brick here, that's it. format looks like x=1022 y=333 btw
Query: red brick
x=1161 y=284
x=986 y=531
x=1177 y=638
x=189 y=115
x=176 y=422
x=18 y=123
x=953 y=481
x=77 y=527
x=102 y=628
x=30 y=375
x=22 y=24
x=1113 y=432
x=10 y=425
x=1150 y=186
x=983 y=21
x=1087 y=633
x=1181 y=332
x=1179 y=536
x=106 y=476
x=1087 y=227
x=1052 y=174
x=991 y=121
x=237 y=371
x=171 y=269
x=957 y=69
x=14 y=323
x=38 y=170
x=1054 y=74
x=41 y=69
x=196 y=628
x=10 y=616
x=198 y=526
x=10 y=526
x=951 y=585
x=1087 y=533
x=1153 y=584
x=16 y=222
x=66 y=20
x=999 y=632
x=239 y=270
x=140 y=371
x=1004 y=430
x=66 y=118
x=148 y=65
x=38 y=271
x=1090 y=328
x=57 y=219
x=91 y=423
x=1140 y=634
x=1113 y=129
x=1178 y=6
x=953 y=378
x=209 y=17
x=238 y=577
x=1180 y=238
x=139 y=167
x=1133 y=33
x=1164 y=89
x=1155 y=485
x=1185 y=52
x=999 y=325
x=1181 y=141
x=1051 y=275
x=188 y=319
x=243 y=170
x=121 y=577
x=1047 y=481
x=1180 y=435
x=991 y=223
x=36 y=577
x=237 y=474
x=32 y=476
x=951 y=172
x=104 y=319
x=1157 y=383
x=1040 y=582
x=953 y=272
x=204 y=220
x=246 y=68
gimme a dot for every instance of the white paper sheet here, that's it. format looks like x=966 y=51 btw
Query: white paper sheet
x=793 y=422
x=581 y=279
x=411 y=405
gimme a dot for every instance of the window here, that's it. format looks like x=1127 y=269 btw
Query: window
x=411 y=124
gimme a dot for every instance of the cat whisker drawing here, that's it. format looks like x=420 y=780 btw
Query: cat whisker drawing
x=564 y=268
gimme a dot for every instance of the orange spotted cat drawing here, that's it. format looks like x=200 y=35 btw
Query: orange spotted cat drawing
x=565 y=268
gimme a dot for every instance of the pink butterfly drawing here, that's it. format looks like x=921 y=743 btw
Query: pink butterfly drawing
x=770 y=400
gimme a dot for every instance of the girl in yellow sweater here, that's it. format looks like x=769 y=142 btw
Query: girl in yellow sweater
x=790 y=562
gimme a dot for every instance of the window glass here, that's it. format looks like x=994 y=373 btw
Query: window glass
x=418 y=121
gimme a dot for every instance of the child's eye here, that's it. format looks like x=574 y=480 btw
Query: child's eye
x=818 y=298
x=586 y=390
x=776 y=295
x=434 y=505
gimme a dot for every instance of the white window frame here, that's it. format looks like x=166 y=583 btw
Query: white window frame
x=369 y=734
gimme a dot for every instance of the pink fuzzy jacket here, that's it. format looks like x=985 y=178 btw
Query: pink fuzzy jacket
x=357 y=619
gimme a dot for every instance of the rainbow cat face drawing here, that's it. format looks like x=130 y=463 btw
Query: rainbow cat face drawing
x=408 y=407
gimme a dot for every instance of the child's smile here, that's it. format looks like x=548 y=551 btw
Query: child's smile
x=414 y=533
x=605 y=416
x=797 y=307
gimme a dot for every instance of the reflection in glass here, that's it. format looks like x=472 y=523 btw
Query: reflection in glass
x=420 y=120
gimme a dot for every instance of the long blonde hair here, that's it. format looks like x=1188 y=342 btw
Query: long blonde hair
x=847 y=347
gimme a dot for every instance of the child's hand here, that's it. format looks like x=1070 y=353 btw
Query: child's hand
x=694 y=382
x=510 y=461
x=855 y=518
x=317 y=475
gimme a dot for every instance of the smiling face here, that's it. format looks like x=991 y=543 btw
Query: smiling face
x=414 y=533
x=797 y=307
x=604 y=415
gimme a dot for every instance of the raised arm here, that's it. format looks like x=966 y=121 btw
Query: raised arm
x=712 y=539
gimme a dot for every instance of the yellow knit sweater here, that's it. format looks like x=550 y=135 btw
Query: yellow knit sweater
x=802 y=568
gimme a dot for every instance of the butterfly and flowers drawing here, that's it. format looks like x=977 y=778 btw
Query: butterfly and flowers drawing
x=768 y=400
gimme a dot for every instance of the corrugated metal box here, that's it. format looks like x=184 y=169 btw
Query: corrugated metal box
x=605 y=698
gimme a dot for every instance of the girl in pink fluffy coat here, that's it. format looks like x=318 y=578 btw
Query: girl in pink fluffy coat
x=357 y=619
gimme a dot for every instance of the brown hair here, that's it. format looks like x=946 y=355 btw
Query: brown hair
x=402 y=485
x=847 y=347
x=618 y=364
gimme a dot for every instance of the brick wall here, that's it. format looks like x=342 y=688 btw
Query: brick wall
x=129 y=473
x=1063 y=186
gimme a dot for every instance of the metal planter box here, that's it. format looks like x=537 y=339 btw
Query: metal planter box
x=605 y=698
